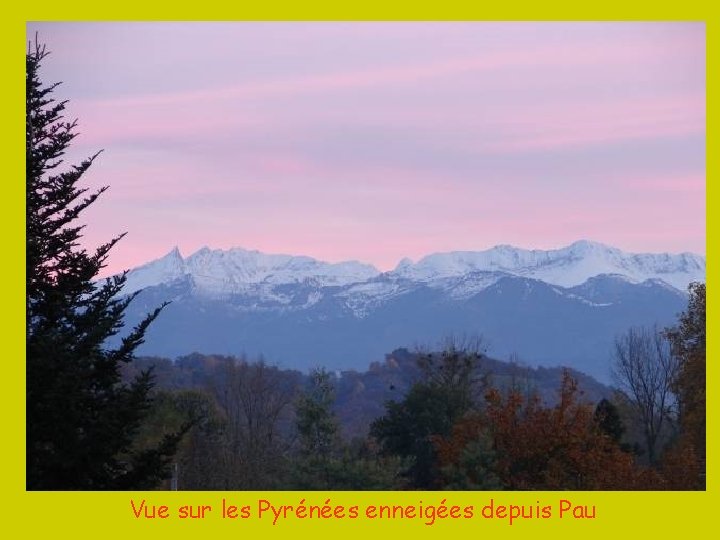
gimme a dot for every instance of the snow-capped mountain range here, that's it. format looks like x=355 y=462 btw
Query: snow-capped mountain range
x=555 y=307
x=218 y=272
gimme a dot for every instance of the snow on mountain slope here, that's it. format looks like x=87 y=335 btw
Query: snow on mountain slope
x=236 y=270
x=567 y=267
x=462 y=273
x=163 y=270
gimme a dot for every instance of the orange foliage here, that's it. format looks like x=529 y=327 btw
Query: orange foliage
x=547 y=448
x=683 y=468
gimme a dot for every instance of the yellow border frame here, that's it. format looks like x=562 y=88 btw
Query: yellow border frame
x=88 y=515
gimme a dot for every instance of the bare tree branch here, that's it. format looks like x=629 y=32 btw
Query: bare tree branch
x=645 y=369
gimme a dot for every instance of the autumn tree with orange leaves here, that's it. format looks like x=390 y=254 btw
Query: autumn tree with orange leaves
x=542 y=448
x=684 y=463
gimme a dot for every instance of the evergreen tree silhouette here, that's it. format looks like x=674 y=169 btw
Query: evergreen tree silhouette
x=81 y=418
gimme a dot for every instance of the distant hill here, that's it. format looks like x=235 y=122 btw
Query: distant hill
x=361 y=395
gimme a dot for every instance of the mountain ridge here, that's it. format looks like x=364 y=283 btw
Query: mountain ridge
x=557 y=307
x=236 y=270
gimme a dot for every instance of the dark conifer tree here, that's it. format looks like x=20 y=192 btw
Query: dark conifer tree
x=81 y=419
x=430 y=410
x=609 y=421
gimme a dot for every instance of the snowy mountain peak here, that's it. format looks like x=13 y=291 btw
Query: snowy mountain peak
x=203 y=250
x=166 y=269
x=173 y=255
x=588 y=246
x=404 y=263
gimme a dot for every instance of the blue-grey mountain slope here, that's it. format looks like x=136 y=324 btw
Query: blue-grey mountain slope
x=559 y=307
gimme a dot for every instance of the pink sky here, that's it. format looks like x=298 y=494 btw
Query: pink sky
x=378 y=141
